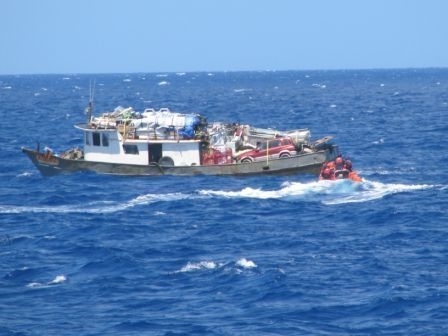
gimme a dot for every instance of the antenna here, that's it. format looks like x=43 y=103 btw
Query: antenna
x=89 y=108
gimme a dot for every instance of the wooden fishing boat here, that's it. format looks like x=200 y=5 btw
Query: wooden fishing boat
x=126 y=142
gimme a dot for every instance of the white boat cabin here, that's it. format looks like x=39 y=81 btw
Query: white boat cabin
x=109 y=145
x=125 y=136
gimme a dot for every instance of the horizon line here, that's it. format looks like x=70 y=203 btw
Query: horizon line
x=221 y=71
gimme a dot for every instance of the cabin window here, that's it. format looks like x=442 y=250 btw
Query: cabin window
x=96 y=139
x=105 y=139
x=130 y=149
x=87 y=138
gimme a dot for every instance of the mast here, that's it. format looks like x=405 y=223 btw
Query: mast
x=89 y=109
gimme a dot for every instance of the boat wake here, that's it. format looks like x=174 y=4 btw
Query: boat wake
x=96 y=207
x=327 y=192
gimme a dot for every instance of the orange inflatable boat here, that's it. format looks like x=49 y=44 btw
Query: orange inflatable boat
x=339 y=169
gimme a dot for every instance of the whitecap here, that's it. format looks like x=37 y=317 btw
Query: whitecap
x=161 y=75
x=34 y=285
x=58 y=280
x=244 y=263
x=162 y=83
x=25 y=174
x=202 y=265
x=127 y=80
x=181 y=73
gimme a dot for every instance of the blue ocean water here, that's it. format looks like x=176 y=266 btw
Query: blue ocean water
x=87 y=254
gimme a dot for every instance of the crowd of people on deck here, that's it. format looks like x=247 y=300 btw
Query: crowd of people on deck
x=340 y=168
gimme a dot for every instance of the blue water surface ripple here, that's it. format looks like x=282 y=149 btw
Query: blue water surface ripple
x=87 y=254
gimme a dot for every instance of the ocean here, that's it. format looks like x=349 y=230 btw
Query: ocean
x=87 y=254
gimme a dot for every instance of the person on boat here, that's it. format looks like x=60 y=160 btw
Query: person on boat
x=348 y=165
x=352 y=175
x=340 y=171
x=48 y=151
x=339 y=163
x=326 y=174
x=327 y=171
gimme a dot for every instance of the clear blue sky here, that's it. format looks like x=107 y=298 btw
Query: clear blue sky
x=100 y=36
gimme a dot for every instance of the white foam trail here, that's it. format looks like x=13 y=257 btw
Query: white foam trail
x=327 y=192
x=376 y=190
x=288 y=189
x=97 y=206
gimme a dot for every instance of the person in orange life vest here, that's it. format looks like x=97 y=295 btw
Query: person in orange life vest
x=331 y=166
x=352 y=174
x=327 y=172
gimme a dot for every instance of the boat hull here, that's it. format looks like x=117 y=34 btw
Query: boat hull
x=50 y=165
